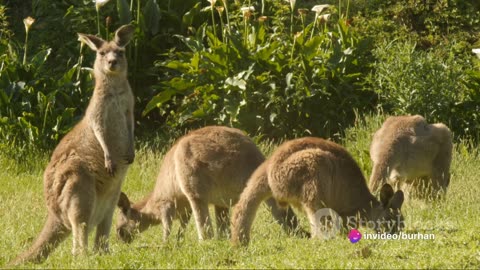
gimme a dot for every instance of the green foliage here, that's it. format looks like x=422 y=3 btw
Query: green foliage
x=35 y=108
x=276 y=74
x=264 y=79
x=428 y=21
x=435 y=84
x=42 y=99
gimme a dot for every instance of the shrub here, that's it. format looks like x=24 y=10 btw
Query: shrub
x=436 y=84
x=263 y=76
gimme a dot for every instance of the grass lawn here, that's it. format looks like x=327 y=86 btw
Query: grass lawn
x=454 y=222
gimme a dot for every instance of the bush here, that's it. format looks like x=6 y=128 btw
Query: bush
x=263 y=76
x=42 y=97
x=268 y=75
x=436 y=84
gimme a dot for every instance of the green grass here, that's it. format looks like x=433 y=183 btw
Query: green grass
x=453 y=221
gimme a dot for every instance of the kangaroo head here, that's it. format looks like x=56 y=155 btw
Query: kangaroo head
x=128 y=220
x=387 y=214
x=110 y=58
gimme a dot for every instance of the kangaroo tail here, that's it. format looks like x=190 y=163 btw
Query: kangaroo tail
x=244 y=212
x=53 y=233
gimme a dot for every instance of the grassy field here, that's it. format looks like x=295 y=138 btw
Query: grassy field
x=454 y=222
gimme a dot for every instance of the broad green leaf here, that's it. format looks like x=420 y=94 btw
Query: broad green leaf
x=311 y=47
x=123 y=10
x=151 y=13
x=177 y=65
x=39 y=59
x=158 y=100
x=191 y=43
x=179 y=85
x=189 y=16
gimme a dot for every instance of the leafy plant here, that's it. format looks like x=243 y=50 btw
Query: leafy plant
x=35 y=109
x=265 y=79
x=435 y=84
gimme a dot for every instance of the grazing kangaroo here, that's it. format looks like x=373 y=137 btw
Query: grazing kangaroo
x=210 y=165
x=312 y=173
x=83 y=180
x=409 y=153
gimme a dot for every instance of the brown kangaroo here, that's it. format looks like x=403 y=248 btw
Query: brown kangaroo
x=312 y=173
x=412 y=154
x=83 y=180
x=210 y=165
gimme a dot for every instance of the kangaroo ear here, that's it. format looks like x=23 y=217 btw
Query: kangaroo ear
x=386 y=193
x=124 y=34
x=397 y=200
x=92 y=41
x=123 y=203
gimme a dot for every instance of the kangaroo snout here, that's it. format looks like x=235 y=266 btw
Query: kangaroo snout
x=112 y=62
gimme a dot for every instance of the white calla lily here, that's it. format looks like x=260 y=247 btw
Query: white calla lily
x=320 y=8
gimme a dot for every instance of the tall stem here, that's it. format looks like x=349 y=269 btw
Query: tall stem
x=314 y=25
x=340 y=8
x=80 y=61
x=25 y=49
x=45 y=117
x=213 y=26
x=98 y=22
x=291 y=22
x=135 y=57
x=348 y=7
x=222 y=26
x=303 y=23
x=293 y=50
x=225 y=4
x=246 y=31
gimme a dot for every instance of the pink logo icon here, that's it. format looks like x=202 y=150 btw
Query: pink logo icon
x=354 y=235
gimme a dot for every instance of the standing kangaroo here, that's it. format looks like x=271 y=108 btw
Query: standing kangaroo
x=410 y=153
x=83 y=180
x=312 y=173
x=210 y=165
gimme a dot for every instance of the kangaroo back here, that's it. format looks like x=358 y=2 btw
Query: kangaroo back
x=409 y=152
x=210 y=165
x=311 y=173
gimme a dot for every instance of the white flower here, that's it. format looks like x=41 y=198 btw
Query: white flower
x=100 y=3
x=292 y=3
x=324 y=17
x=28 y=23
x=320 y=8
x=477 y=52
x=212 y=2
x=248 y=9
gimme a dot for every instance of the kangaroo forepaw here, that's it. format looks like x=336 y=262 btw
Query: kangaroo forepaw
x=110 y=167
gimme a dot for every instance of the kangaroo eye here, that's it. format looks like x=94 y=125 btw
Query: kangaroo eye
x=120 y=53
x=102 y=53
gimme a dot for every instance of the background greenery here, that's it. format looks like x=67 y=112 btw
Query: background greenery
x=453 y=221
x=275 y=73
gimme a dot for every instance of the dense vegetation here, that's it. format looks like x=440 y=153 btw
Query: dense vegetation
x=277 y=69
